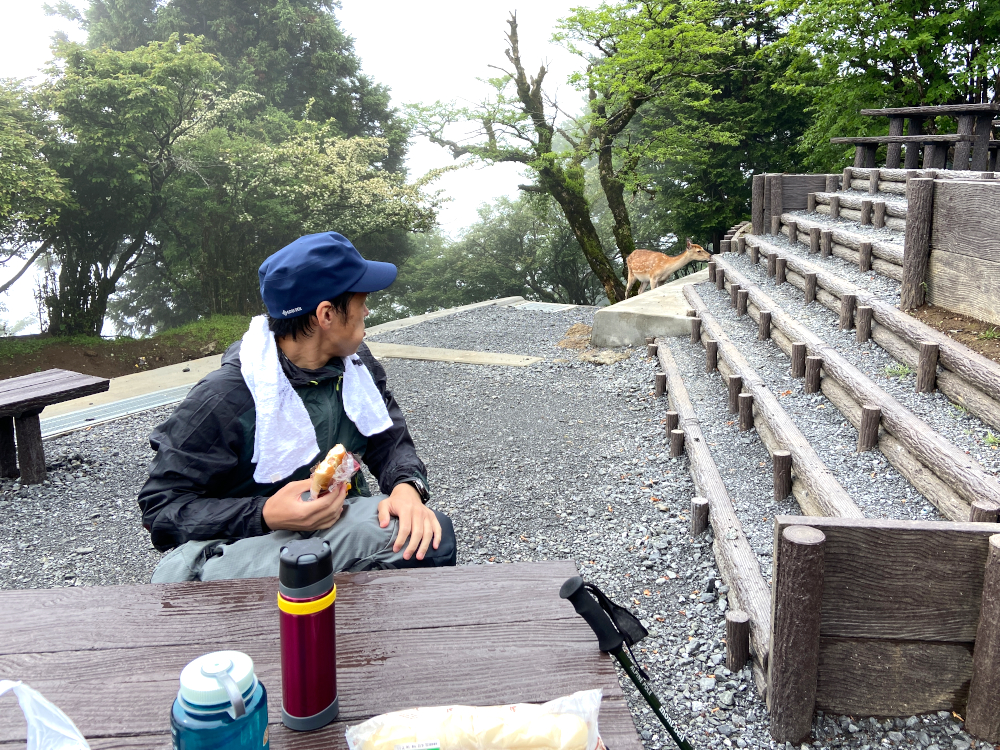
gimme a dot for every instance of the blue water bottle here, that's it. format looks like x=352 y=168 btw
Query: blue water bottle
x=221 y=705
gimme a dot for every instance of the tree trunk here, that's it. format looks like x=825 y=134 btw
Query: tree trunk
x=614 y=191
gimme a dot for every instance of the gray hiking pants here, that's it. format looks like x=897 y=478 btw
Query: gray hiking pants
x=356 y=540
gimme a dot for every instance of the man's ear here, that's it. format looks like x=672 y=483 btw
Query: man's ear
x=324 y=314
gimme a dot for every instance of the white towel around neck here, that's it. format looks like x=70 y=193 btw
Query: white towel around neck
x=285 y=439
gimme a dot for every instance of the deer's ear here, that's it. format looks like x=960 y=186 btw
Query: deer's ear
x=688 y=243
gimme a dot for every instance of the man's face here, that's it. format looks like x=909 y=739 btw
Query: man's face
x=347 y=335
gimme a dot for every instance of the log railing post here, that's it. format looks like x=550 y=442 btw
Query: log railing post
x=866 y=212
x=754 y=254
x=832 y=183
x=927 y=367
x=810 y=201
x=661 y=384
x=737 y=640
x=982 y=718
x=793 y=232
x=725 y=246
x=798 y=359
x=794 y=659
x=30 y=453
x=746 y=411
x=735 y=385
x=873 y=182
x=673 y=420
x=780 y=266
x=834 y=206
x=676 y=443
x=741 y=302
x=810 y=290
x=826 y=243
x=711 y=355
x=871 y=418
x=711 y=270
x=782 y=472
x=863 y=323
x=847 y=177
x=699 y=516
x=651 y=350
x=772 y=264
x=777 y=202
x=776 y=224
x=720 y=279
x=813 y=367
x=847 y=304
x=757 y=204
x=741 y=244
x=733 y=291
x=916 y=241
x=764 y=325
x=696 y=328
x=984 y=511
x=878 y=219
x=865 y=257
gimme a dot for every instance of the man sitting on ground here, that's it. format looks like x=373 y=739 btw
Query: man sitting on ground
x=225 y=489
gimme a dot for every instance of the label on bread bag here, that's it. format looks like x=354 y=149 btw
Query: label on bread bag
x=426 y=745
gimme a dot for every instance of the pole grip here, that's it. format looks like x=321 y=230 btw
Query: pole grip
x=608 y=637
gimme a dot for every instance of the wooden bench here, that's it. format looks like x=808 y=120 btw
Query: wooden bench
x=935 y=147
x=110 y=656
x=973 y=119
x=21 y=400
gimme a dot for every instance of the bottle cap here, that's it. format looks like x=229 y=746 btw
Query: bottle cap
x=305 y=569
x=200 y=679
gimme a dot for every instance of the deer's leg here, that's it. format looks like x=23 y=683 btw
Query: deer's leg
x=628 y=285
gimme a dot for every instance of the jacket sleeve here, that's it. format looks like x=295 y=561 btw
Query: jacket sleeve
x=391 y=455
x=199 y=444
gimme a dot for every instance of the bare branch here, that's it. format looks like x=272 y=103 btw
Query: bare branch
x=34 y=256
x=531 y=188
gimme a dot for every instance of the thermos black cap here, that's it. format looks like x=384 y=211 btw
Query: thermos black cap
x=305 y=568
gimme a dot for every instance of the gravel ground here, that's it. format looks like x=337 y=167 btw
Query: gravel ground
x=882 y=287
x=601 y=490
x=966 y=431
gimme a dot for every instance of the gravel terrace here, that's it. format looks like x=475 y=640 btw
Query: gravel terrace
x=558 y=460
x=966 y=431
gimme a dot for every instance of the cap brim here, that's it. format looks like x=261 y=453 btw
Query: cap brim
x=376 y=277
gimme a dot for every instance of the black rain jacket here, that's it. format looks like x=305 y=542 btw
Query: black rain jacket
x=201 y=483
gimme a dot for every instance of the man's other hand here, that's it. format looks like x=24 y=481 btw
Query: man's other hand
x=286 y=510
x=416 y=521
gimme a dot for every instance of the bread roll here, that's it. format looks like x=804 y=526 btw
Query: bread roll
x=323 y=472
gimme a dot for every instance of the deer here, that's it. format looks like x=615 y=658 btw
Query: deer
x=653 y=268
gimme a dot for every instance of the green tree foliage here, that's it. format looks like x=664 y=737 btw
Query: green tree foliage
x=705 y=189
x=888 y=54
x=635 y=53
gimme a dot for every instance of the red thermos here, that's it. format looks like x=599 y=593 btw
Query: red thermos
x=306 y=595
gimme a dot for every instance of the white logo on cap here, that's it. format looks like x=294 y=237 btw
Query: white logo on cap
x=293 y=310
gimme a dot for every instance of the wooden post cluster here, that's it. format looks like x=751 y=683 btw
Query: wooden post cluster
x=746 y=411
x=711 y=270
x=780 y=266
x=735 y=385
x=782 y=471
x=794 y=660
x=834 y=206
x=863 y=323
x=878 y=219
x=741 y=302
x=847 y=304
x=826 y=243
x=810 y=290
x=813 y=367
x=814 y=236
x=865 y=257
x=676 y=443
x=927 y=367
x=711 y=355
x=871 y=418
x=764 y=325
x=696 y=329
x=737 y=639
x=699 y=516
x=661 y=384
x=982 y=717
x=673 y=421
x=720 y=279
x=916 y=242
x=798 y=359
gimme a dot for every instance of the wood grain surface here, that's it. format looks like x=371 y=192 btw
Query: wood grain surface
x=932 y=110
x=38 y=390
x=901 y=580
x=964 y=284
x=967 y=218
x=892 y=678
x=795 y=189
x=407 y=641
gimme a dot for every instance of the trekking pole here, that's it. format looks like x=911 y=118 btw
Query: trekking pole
x=610 y=640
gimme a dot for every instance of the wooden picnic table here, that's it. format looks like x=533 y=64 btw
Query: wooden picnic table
x=110 y=656
x=973 y=120
x=21 y=401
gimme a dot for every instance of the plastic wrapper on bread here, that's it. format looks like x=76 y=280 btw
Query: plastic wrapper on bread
x=568 y=723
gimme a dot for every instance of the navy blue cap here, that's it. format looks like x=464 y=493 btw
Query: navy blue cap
x=314 y=268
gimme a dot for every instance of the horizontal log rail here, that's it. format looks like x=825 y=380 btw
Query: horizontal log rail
x=887 y=251
x=976 y=381
x=737 y=561
x=952 y=465
x=823 y=493
x=883 y=267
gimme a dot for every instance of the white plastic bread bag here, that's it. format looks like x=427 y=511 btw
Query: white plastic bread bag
x=568 y=723
x=48 y=727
